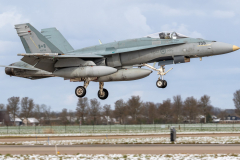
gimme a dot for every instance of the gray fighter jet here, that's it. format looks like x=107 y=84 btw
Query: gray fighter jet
x=48 y=54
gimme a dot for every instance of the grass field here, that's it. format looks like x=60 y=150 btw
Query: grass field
x=92 y=129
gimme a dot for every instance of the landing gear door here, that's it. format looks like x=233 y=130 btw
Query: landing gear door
x=116 y=60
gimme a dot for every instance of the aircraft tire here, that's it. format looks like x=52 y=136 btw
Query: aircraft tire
x=80 y=91
x=160 y=83
x=105 y=94
x=164 y=84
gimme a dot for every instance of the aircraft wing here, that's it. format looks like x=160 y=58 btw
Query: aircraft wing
x=46 y=61
x=24 y=68
x=57 y=55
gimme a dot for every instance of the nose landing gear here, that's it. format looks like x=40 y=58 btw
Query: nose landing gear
x=161 y=72
x=161 y=83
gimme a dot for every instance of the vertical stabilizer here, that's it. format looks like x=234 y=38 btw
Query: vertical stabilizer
x=33 y=41
x=54 y=36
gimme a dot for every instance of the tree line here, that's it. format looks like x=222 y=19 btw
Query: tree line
x=131 y=111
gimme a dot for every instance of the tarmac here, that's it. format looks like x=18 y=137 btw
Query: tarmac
x=21 y=139
x=124 y=149
x=120 y=148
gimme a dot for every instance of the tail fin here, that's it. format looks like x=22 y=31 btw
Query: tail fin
x=33 y=41
x=54 y=36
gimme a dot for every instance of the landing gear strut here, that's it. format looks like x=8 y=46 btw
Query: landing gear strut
x=81 y=90
x=161 y=72
x=102 y=93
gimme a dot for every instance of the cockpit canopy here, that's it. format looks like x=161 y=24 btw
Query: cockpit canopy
x=166 y=35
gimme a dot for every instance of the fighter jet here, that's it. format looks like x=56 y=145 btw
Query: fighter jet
x=48 y=54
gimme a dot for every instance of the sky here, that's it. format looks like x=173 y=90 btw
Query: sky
x=83 y=22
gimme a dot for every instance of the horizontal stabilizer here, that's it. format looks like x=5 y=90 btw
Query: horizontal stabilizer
x=24 y=68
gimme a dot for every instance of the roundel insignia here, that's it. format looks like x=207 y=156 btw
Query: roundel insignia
x=163 y=51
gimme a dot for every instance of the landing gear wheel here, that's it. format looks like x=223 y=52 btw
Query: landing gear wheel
x=160 y=84
x=104 y=94
x=80 y=91
x=164 y=84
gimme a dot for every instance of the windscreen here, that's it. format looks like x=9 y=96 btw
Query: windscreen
x=167 y=35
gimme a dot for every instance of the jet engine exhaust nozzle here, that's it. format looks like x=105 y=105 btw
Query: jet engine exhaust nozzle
x=9 y=71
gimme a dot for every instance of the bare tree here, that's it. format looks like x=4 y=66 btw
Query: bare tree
x=64 y=115
x=70 y=115
x=82 y=108
x=95 y=109
x=216 y=111
x=222 y=115
x=120 y=110
x=107 y=111
x=177 y=107
x=13 y=106
x=27 y=106
x=236 y=100
x=47 y=112
x=2 y=106
x=134 y=107
x=165 y=110
x=205 y=106
x=37 y=112
x=190 y=108
x=149 y=111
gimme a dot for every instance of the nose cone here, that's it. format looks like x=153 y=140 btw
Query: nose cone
x=235 y=48
x=222 y=48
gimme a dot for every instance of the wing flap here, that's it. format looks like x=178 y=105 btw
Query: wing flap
x=46 y=64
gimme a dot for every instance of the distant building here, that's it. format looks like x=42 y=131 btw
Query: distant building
x=71 y=119
x=51 y=121
x=31 y=121
x=4 y=117
x=233 y=118
x=15 y=120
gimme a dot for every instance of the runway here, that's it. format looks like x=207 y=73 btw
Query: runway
x=21 y=139
x=125 y=149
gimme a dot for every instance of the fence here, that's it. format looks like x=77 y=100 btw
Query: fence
x=140 y=128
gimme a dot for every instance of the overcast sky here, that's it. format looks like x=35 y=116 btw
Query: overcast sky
x=82 y=23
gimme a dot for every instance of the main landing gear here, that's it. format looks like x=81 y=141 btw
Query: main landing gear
x=102 y=93
x=81 y=90
x=161 y=72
